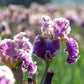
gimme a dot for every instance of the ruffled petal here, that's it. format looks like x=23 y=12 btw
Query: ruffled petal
x=32 y=68
x=45 y=49
x=61 y=27
x=72 y=50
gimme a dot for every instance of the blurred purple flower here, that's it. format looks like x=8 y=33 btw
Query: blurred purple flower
x=52 y=8
x=72 y=16
x=35 y=19
x=13 y=52
x=5 y=14
x=49 y=77
x=25 y=52
x=6 y=75
x=4 y=27
x=7 y=49
x=30 y=80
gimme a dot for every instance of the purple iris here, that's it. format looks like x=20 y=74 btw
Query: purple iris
x=17 y=50
x=49 y=77
x=46 y=45
x=7 y=49
x=45 y=49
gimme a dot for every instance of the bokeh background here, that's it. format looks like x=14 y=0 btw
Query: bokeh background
x=25 y=16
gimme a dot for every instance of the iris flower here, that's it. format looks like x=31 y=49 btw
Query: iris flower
x=55 y=32
x=18 y=51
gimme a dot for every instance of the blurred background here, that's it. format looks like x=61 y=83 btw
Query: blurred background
x=25 y=16
x=27 y=3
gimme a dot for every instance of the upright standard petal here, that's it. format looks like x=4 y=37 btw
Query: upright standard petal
x=61 y=27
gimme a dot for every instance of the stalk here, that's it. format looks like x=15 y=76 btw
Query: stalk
x=18 y=74
x=45 y=72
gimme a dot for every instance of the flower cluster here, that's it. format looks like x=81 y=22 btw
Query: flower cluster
x=6 y=75
x=17 y=52
x=19 y=19
x=55 y=32
x=13 y=52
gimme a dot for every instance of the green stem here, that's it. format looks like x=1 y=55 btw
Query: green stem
x=35 y=79
x=18 y=82
x=44 y=74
